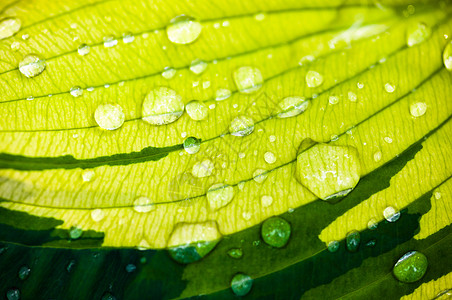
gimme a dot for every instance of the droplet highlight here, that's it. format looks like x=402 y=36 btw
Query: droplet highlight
x=197 y=110
x=198 y=66
x=183 y=30
x=162 y=106
x=76 y=91
x=417 y=34
x=248 y=79
x=353 y=240
x=292 y=106
x=391 y=214
x=418 y=109
x=192 y=145
x=143 y=205
x=313 y=79
x=219 y=195
x=8 y=27
x=109 y=116
x=32 y=65
x=83 y=49
x=241 y=284
x=241 y=126
x=447 y=56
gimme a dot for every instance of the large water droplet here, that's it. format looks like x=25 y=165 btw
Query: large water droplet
x=198 y=66
x=219 y=195
x=23 y=273
x=235 y=253
x=143 y=205
x=418 y=33
x=32 y=65
x=203 y=168
x=411 y=267
x=418 y=109
x=292 y=106
x=353 y=240
x=248 y=79
x=162 y=106
x=241 y=126
x=75 y=232
x=13 y=294
x=76 y=91
x=192 y=145
x=391 y=214
x=328 y=171
x=241 y=284
x=83 y=49
x=447 y=56
x=109 y=116
x=197 y=110
x=313 y=79
x=8 y=27
x=183 y=30
x=333 y=246
x=276 y=232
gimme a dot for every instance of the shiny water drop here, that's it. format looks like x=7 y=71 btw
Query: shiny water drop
x=248 y=79
x=276 y=232
x=162 y=106
x=75 y=232
x=447 y=56
x=203 y=168
x=13 y=294
x=24 y=272
x=222 y=94
x=206 y=84
x=437 y=195
x=410 y=267
x=31 y=98
x=130 y=268
x=83 y=49
x=372 y=224
x=352 y=241
x=197 y=110
x=143 y=205
x=417 y=34
x=76 y=91
x=328 y=171
x=88 y=175
x=352 y=97
x=269 y=157
x=333 y=99
x=192 y=145
x=8 y=27
x=97 y=215
x=110 y=41
x=360 y=85
x=109 y=116
x=377 y=156
x=266 y=201
x=128 y=38
x=241 y=284
x=418 y=109
x=32 y=65
x=235 y=253
x=15 y=46
x=371 y=243
x=241 y=126
x=259 y=17
x=391 y=214
x=272 y=138
x=292 y=106
x=260 y=175
x=246 y=215
x=183 y=30
x=387 y=139
x=389 y=88
x=219 y=195
x=198 y=66
x=313 y=79
x=333 y=246
x=169 y=73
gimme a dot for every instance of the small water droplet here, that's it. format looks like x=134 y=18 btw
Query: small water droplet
x=8 y=27
x=417 y=34
x=110 y=41
x=109 y=116
x=192 y=145
x=333 y=99
x=197 y=110
x=259 y=17
x=241 y=155
x=266 y=201
x=206 y=84
x=248 y=79
x=292 y=106
x=241 y=126
x=31 y=98
x=272 y=138
x=87 y=175
x=162 y=106
x=333 y=246
x=269 y=157
x=260 y=175
x=437 y=195
x=410 y=267
x=90 y=89
x=97 y=215
x=352 y=97
x=198 y=66
x=241 y=284
x=143 y=205
x=83 y=49
x=390 y=214
x=225 y=23
x=32 y=65
x=76 y=91
x=128 y=38
x=169 y=73
x=276 y=232
x=13 y=294
x=70 y=266
x=130 y=268
x=222 y=94
x=377 y=156
x=388 y=139
x=246 y=215
x=313 y=79
x=372 y=224
x=203 y=168
x=418 y=109
x=447 y=56
x=108 y=296
x=371 y=243
x=183 y=30
x=25 y=36
x=360 y=85
x=219 y=195
x=389 y=88
x=235 y=253
x=75 y=232
x=24 y=272
x=352 y=241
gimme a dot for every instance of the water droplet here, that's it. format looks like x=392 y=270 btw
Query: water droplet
x=241 y=126
x=276 y=232
x=83 y=49
x=15 y=46
x=192 y=145
x=334 y=138
x=371 y=243
x=390 y=214
x=292 y=106
x=333 y=99
x=110 y=41
x=222 y=94
x=162 y=106
x=352 y=241
x=418 y=109
x=197 y=110
x=360 y=85
x=246 y=215
x=377 y=156
x=183 y=30
x=248 y=79
x=189 y=242
x=25 y=36
x=169 y=73
x=352 y=97
x=444 y=295
x=235 y=253
x=128 y=38
x=389 y=88
x=75 y=232
x=108 y=296
x=260 y=175
x=206 y=84
x=130 y=268
x=203 y=168
x=259 y=17
x=437 y=195
x=143 y=205
x=417 y=34
x=90 y=89
x=8 y=27
x=13 y=294
x=333 y=246
x=266 y=201
x=70 y=266
x=219 y=195
x=410 y=267
x=447 y=56
x=97 y=215
x=272 y=138
x=313 y=79
x=76 y=91
x=241 y=155
x=24 y=271
x=32 y=65
x=328 y=171
x=87 y=175
x=109 y=116
x=388 y=140
x=241 y=284
x=269 y=157
x=198 y=66
x=31 y=98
